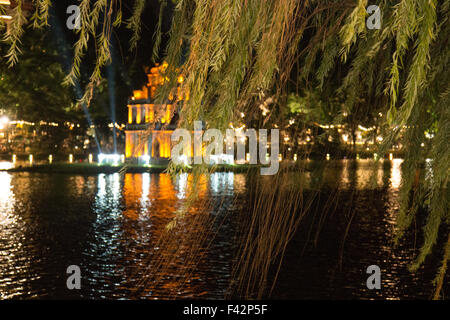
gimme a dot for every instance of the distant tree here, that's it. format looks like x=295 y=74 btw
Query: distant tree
x=33 y=91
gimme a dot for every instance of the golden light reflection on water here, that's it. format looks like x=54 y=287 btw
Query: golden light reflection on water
x=126 y=245
x=133 y=191
x=396 y=173
x=364 y=174
x=6 y=199
x=369 y=174
x=80 y=183
x=141 y=192
x=170 y=269
x=145 y=201
x=12 y=262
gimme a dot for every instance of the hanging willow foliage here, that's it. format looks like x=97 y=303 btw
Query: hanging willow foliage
x=14 y=33
x=240 y=52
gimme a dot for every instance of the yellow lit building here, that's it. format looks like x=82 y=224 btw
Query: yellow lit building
x=150 y=125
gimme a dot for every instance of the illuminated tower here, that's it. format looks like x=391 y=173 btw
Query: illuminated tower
x=150 y=125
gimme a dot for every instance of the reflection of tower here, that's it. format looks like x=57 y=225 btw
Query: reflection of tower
x=150 y=125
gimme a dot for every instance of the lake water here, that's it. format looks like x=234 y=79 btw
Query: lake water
x=115 y=229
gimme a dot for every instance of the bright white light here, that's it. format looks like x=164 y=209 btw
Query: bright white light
x=363 y=128
x=145 y=159
x=101 y=185
x=5 y=165
x=145 y=192
x=184 y=159
x=222 y=158
x=114 y=159
x=227 y=158
x=115 y=186
x=101 y=157
x=182 y=180
x=5 y=120
x=222 y=182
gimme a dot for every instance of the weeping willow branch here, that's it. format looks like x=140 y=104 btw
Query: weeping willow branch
x=442 y=270
x=418 y=70
x=87 y=27
x=40 y=16
x=158 y=33
x=13 y=34
x=355 y=26
x=134 y=23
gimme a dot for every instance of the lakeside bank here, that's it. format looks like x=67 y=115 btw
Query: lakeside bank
x=93 y=168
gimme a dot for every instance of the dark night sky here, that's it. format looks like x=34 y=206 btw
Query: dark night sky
x=127 y=66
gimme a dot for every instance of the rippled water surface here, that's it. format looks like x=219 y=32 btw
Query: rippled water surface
x=111 y=227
